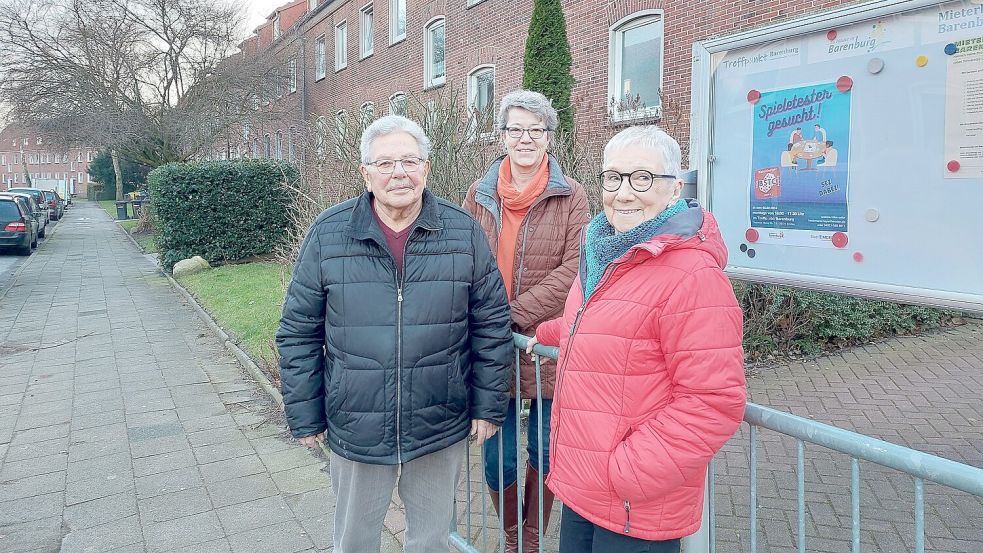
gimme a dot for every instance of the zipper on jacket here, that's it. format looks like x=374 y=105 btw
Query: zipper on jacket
x=399 y=350
x=627 y=516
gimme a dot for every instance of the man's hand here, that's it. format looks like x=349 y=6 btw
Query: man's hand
x=481 y=430
x=310 y=442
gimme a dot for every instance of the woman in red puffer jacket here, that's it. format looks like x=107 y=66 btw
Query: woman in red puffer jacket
x=650 y=377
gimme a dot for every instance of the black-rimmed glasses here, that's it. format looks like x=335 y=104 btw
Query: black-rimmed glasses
x=640 y=180
x=387 y=166
x=535 y=133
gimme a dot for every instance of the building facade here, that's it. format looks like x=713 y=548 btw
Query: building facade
x=24 y=151
x=631 y=58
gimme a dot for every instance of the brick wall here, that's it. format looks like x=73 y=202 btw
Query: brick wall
x=494 y=32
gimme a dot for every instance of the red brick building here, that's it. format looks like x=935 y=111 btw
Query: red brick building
x=24 y=151
x=342 y=54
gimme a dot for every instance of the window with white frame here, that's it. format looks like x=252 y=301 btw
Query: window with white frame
x=291 y=148
x=481 y=100
x=341 y=46
x=278 y=152
x=268 y=146
x=635 y=66
x=367 y=112
x=311 y=4
x=397 y=104
x=340 y=130
x=433 y=54
x=276 y=27
x=365 y=37
x=292 y=73
x=397 y=21
x=320 y=59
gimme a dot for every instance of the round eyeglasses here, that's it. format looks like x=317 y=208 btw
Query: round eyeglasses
x=387 y=166
x=640 y=180
x=535 y=133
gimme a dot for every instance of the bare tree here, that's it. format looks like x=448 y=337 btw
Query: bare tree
x=154 y=81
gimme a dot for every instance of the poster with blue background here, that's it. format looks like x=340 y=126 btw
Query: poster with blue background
x=799 y=165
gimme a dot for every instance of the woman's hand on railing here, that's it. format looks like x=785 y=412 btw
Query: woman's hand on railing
x=531 y=343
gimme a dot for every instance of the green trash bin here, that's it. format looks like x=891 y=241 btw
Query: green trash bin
x=121 y=210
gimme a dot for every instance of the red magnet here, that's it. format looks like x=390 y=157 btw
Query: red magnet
x=952 y=166
x=751 y=235
x=844 y=83
x=753 y=96
x=858 y=257
x=831 y=35
x=840 y=239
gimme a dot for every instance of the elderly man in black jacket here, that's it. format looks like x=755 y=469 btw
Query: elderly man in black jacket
x=395 y=344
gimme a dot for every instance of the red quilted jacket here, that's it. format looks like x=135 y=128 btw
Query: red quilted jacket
x=650 y=383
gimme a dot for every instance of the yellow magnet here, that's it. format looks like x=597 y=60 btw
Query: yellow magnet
x=921 y=61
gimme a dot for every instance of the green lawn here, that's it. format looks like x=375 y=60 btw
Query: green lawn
x=245 y=299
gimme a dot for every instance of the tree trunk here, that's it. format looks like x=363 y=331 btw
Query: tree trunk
x=119 y=174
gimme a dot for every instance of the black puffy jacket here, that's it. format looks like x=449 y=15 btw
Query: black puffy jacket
x=394 y=370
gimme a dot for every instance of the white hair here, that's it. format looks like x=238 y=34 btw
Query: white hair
x=533 y=102
x=388 y=125
x=653 y=138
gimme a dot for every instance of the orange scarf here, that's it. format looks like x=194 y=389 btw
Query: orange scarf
x=515 y=204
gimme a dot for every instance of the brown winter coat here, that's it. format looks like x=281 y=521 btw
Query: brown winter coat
x=546 y=257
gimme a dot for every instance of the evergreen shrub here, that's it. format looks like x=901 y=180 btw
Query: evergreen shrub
x=780 y=320
x=220 y=210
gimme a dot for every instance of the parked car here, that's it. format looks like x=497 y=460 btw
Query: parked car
x=55 y=204
x=38 y=196
x=17 y=229
x=40 y=213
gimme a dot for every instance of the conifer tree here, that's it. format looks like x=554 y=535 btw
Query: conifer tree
x=546 y=67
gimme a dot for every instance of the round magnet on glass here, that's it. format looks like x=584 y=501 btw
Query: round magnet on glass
x=840 y=239
x=921 y=61
x=952 y=166
x=751 y=254
x=875 y=66
x=753 y=96
x=743 y=248
x=844 y=83
x=872 y=215
x=858 y=257
x=950 y=49
x=831 y=35
x=751 y=235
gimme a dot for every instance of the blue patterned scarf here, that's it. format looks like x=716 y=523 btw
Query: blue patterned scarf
x=603 y=245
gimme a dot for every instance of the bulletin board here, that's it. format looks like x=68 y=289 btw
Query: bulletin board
x=844 y=151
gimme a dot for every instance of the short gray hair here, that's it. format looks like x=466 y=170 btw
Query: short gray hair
x=388 y=125
x=653 y=138
x=528 y=100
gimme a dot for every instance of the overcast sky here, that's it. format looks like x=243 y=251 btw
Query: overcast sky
x=259 y=9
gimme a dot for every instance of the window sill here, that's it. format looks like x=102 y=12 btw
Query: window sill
x=472 y=3
x=366 y=56
x=397 y=40
x=434 y=84
x=321 y=78
x=634 y=116
x=340 y=69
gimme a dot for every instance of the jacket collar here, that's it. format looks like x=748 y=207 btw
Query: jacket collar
x=486 y=194
x=362 y=225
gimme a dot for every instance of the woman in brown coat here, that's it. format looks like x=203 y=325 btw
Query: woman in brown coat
x=533 y=215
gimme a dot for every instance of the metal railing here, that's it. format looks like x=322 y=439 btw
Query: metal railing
x=921 y=466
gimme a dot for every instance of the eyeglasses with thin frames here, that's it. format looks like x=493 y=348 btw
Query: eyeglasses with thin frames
x=387 y=166
x=535 y=133
x=640 y=180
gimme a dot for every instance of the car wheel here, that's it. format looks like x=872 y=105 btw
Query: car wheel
x=24 y=250
x=34 y=244
x=43 y=232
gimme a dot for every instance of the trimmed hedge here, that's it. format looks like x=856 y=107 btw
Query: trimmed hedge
x=220 y=210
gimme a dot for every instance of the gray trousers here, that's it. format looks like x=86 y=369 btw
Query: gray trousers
x=426 y=485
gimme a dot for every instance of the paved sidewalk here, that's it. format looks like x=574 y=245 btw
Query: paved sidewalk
x=126 y=426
